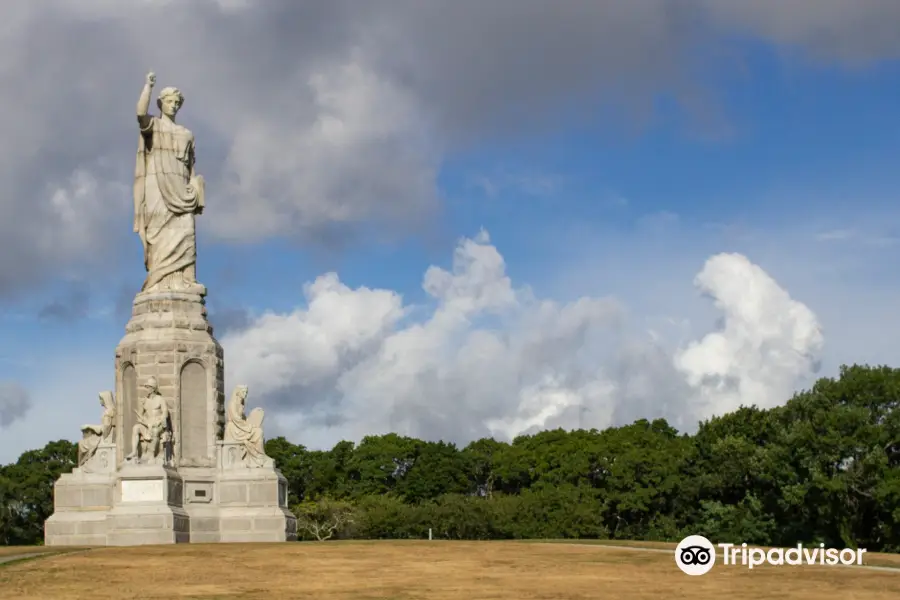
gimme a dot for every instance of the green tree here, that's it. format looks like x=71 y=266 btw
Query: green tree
x=641 y=475
x=330 y=472
x=745 y=521
x=28 y=489
x=553 y=512
x=437 y=469
x=459 y=517
x=293 y=462
x=388 y=517
x=12 y=518
x=738 y=455
x=480 y=457
x=324 y=519
x=380 y=462
x=837 y=432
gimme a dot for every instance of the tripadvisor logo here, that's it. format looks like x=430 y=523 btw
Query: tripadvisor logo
x=696 y=555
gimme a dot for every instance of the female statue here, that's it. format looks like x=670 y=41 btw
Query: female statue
x=167 y=194
x=94 y=435
x=246 y=430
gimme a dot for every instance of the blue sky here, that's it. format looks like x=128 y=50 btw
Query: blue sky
x=783 y=156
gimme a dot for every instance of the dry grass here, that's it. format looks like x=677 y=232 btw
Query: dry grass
x=420 y=571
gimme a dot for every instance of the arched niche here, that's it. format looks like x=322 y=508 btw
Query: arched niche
x=128 y=406
x=194 y=420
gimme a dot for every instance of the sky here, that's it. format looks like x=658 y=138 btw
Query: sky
x=460 y=219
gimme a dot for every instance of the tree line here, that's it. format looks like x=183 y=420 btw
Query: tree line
x=822 y=468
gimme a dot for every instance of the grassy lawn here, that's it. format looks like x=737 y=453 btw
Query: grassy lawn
x=417 y=570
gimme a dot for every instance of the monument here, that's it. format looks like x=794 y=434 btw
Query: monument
x=169 y=463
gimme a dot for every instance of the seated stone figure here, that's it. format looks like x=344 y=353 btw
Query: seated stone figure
x=246 y=430
x=94 y=435
x=149 y=433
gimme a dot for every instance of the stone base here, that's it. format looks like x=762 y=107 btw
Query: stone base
x=272 y=524
x=76 y=529
x=151 y=504
x=200 y=503
x=140 y=525
x=82 y=502
x=147 y=508
x=253 y=506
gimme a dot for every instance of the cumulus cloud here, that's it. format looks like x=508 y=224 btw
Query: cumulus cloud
x=14 y=403
x=767 y=340
x=314 y=118
x=485 y=357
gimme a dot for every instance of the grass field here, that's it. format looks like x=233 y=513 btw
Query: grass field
x=418 y=571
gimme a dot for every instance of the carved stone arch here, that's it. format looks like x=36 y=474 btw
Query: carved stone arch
x=193 y=417
x=127 y=404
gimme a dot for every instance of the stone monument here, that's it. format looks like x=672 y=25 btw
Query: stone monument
x=169 y=463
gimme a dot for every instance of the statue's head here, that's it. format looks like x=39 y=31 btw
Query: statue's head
x=170 y=101
x=241 y=392
x=106 y=399
x=151 y=385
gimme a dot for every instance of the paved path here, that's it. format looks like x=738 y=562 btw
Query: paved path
x=671 y=552
x=12 y=557
x=60 y=552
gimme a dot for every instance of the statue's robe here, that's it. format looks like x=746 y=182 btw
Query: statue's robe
x=246 y=431
x=94 y=435
x=166 y=198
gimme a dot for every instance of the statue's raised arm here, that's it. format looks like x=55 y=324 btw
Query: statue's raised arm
x=168 y=194
x=143 y=103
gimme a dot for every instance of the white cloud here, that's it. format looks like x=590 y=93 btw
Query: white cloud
x=767 y=342
x=358 y=151
x=14 y=403
x=490 y=358
x=80 y=205
x=314 y=344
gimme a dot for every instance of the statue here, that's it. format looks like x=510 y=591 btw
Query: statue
x=246 y=430
x=168 y=194
x=152 y=430
x=94 y=435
